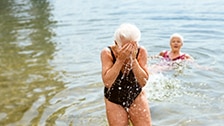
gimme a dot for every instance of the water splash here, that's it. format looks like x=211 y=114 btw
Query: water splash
x=160 y=87
x=164 y=81
x=161 y=65
x=127 y=67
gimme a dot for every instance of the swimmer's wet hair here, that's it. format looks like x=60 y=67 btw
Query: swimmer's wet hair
x=177 y=35
x=127 y=31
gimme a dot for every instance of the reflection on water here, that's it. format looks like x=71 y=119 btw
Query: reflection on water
x=27 y=81
x=50 y=71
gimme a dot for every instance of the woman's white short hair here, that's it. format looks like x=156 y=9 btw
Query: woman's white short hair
x=178 y=36
x=127 y=31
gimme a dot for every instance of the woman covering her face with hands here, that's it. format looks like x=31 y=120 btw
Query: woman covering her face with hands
x=124 y=74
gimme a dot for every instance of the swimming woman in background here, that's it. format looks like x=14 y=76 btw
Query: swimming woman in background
x=173 y=57
x=176 y=42
x=124 y=74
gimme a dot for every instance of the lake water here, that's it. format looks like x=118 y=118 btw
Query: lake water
x=50 y=70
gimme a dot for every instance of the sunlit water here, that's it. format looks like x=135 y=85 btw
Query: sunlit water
x=50 y=70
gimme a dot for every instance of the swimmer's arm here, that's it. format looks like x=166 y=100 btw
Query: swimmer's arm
x=161 y=53
x=140 y=67
x=157 y=56
x=189 y=58
x=110 y=71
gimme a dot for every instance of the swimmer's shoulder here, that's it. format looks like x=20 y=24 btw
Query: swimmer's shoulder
x=188 y=57
x=106 y=52
x=162 y=53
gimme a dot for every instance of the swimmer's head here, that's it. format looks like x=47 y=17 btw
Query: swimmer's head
x=176 y=35
x=176 y=42
x=127 y=33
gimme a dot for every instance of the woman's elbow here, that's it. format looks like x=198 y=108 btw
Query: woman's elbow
x=106 y=83
x=144 y=82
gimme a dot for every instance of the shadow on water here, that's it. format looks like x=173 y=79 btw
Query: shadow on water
x=27 y=80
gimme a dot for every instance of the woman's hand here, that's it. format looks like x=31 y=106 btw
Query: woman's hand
x=134 y=50
x=127 y=51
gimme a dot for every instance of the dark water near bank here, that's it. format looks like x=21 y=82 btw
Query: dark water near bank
x=50 y=71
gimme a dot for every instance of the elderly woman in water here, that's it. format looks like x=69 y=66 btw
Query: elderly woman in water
x=176 y=42
x=124 y=74
x=173 y=57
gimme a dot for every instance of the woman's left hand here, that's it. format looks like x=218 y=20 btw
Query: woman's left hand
x=135 y=50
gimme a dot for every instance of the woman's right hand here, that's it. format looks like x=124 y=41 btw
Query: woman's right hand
x=128 y=51
x=125 y=52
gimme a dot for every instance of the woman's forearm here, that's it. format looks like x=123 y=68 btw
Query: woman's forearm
x=140 y=74
x=111 y=74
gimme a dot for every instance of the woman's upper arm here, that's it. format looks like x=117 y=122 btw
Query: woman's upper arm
x=106 y=60
x=143 y=59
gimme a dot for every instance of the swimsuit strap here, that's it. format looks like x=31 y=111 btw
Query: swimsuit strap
x=112 y=54
x=180 y=57
x=165 y=55
x=137 y=52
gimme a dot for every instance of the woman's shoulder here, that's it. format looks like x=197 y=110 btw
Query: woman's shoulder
x=142 y=49
x=187 y=56
x=106 y=51
x=162 y=53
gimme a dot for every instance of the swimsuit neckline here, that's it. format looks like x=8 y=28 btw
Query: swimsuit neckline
x=166 y=55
